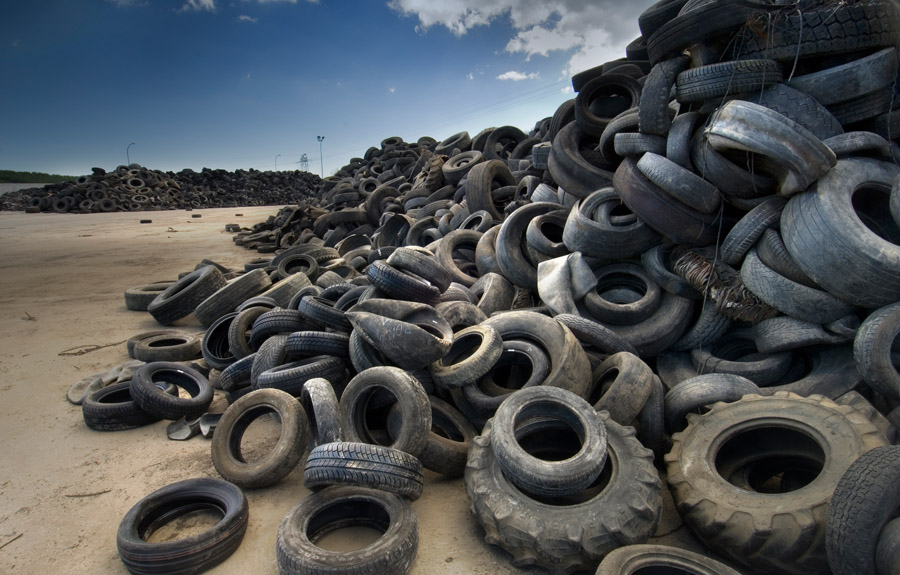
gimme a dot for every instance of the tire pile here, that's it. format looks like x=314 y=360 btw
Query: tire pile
x=709 y=284
x=135 y=188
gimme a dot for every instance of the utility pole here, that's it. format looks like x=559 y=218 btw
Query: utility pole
x=128 y=153
x=276 y=162
x=321 y=160
x=304 y=163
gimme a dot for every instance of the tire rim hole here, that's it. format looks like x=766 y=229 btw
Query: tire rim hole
x=602 y=385
x=171 y=342
x=871 y=206
x=549 y=431
x=256 y=437
x=552 y=231
x=377 y=412
x=462 y=349
x=770 y=460
x=179 y=521
x=348 y=526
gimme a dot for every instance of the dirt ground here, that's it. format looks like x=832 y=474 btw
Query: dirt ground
x=63 y=487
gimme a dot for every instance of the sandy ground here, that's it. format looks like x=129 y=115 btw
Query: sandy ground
x=65 y=488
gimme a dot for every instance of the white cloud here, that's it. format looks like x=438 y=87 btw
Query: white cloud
x=245 y=18
x=567 y=90
x=596 y=30
x=392 y=89
x=470 y=76
x=278 y=1
x=198 y=5
x=517 y=76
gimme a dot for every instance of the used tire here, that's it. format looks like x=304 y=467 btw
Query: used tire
x=181 y=298
x=364 y=465
x=152 y=399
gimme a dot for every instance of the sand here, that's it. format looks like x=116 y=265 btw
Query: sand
x=63 y=487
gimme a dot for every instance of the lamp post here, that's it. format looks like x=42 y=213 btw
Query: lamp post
x=321 y=161
x=276 y=162
x=128 y=154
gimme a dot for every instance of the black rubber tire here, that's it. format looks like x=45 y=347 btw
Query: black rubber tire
x=275 y=322
x=736 y=353
x=656 y=333
x=864 y=501
x=298 y=262
x=151 y=398
x=621 y=386
x=408 y=394
x=494 y=293
x=692 y=394
x=320 y=402
x=473 y=353
x=784 y=333
x=271 y=354
x=215 y=348
x=238 y=331
x=364 y=465
x=285 y=454
x=596 y=335
x=771 y=251
x=799 y=107
x=237 y=375
x=423 y=264
x=458 y=167
x=181 y=298
x=636 y=559
x=692 y=26
x=501 y=142
x=872 y=350
x=822 y=28
x=624 y=295
x=532 y=473
x=623 y=508
x=460 y=140
x=637 y=144
x=713 y=81
x=188 y=555
x=233 y=294
x=284 y=290
x=449 y=439
x=460 y=314
x=718 y=466
x=623 y=92
x=290 y=377
x=402 y=284
x=788 y=297
x=132 y=341
x=888 y=548
x=138 y=298
x=653 y=112
x=655 y=261
x=482 y=180
x=174 y=346
x=339 y=507
x=709 y=326
x=307 y=343
x=749 y=228
x=658 y=14
x=602 y=226
x=839 y=247
x=851 y=80
x=574 y=163
x=322 y=312
x=112 y=409
x=511 y=258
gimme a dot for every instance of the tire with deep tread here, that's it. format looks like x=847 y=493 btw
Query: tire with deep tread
x=364 y=465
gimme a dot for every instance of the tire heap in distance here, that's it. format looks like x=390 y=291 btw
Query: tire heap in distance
x=702 y=247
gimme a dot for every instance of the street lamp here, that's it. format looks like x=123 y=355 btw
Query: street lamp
x=276 y=162
x=321 y=161
x=128 y=154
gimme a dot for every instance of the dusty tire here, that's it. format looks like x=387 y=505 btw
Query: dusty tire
x=474 y=352
x=341 y=506
x=637 y=559
x=872 y=350
x=566 y=535
x=152 y=399
x=195 y=553
x=139 y=298
x=720 y=466
x=181 y=298
x=364 y=465
x=286 y=453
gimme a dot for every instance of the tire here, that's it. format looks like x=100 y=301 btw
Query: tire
x=788 y=297
x=290 y=377
x=173 y=346
x=401 y=284
x=594 y=334
x=323 y=313
x=611 y=93
x=531 y=472
x=285 y=454
x=888 y=547
x=719 y=464
x=501 y=142
x=799 y=107
x=864 y=501
x=449 y=439
x=691 y=395
x=600 y=226
x=481 y=180
x=712 y=81
x=692 y=26
x=636 y=559
x=139 y=298
x=622 y=508
x=820 y=28
x=215 y=347
x=192 y=554
x=835 y=245
x=771 y=251
x=621 y=386
x=238 y=340
x=112 y=409
x=473 y=353
x=237 y=375
x=149 y=397
x=637 y=144
x=851 y=80
x=624 y=295
x=460 y=314
x=653 y=112
x=662 y=329
x=575 y=165
x=749 y=228
x=408 y=394
x=308 y=343
x=511 y=258
x=785 y=333
x=321 y=405
x=682 y=184
x=872 y=350
x=458 y=167
x=736 y=353
x=284 y=290
x=460 y=140
x=462 y=269
x=423 y=264
x=342 y=506
x=364 y=465
x=277 y=322
x=271 y=354
x=231 y=295
x=494 y=293
x=181 y=298
x=658 y=14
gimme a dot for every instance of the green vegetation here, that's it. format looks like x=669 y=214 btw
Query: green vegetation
x=13 y=177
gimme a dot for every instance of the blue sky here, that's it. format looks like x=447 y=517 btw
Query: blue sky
x=233 y=83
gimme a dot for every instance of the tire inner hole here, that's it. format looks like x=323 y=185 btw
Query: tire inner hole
x=347 y=526
x=256 y=434
x=871 y=205
x=179 y=520
x=564 y=439
x=770 y=460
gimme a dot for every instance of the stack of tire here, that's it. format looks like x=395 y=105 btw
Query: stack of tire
x=700 y=250
x=134 y=188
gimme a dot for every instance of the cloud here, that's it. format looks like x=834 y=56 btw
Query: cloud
x=121 y=3
x=470 y=76
x=567 y=90
x=392 y=89
x=517 y=76
x=245 y=18
x=595 y=31
x=198 y=5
